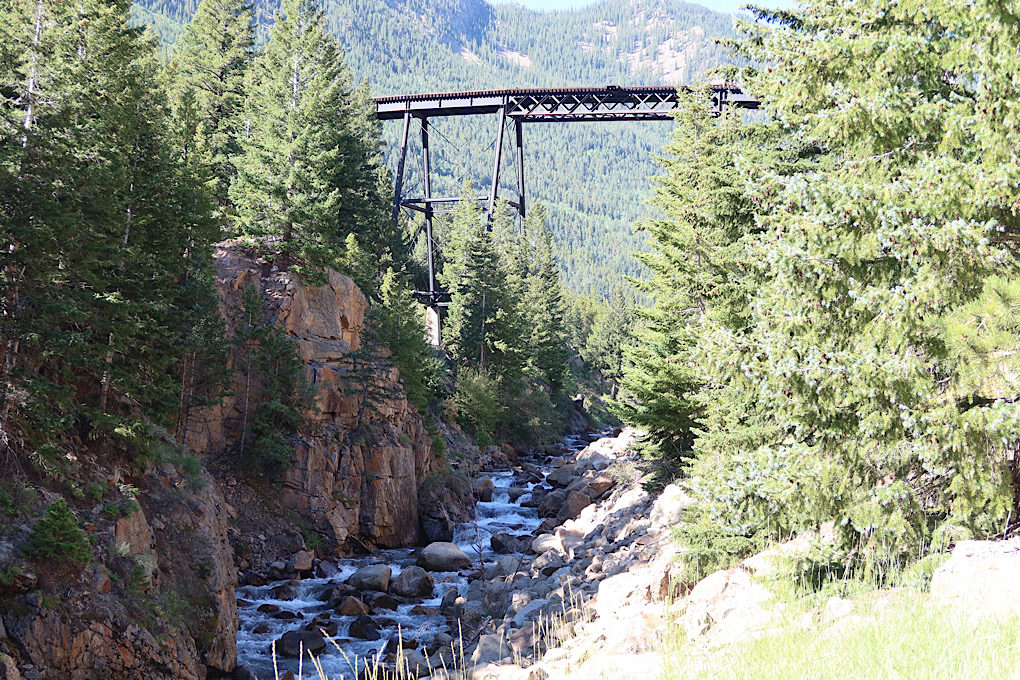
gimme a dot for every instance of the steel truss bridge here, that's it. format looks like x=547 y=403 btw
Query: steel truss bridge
x=560 y=105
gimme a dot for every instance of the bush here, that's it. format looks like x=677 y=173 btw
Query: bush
x=57 y=536
x=533 y=416
x=477 y=400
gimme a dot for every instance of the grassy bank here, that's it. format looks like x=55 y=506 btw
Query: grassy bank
x=894 y=634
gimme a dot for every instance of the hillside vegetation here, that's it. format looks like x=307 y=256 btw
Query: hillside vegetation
x=834 y=329
x=592 y=178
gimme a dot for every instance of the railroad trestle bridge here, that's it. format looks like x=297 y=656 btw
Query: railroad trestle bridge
x=555 y=105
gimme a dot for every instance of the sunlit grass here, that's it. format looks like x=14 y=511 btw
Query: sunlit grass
x=371 y=667
x=907 y=637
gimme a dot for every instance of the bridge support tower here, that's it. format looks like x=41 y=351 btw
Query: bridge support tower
x=602 y=104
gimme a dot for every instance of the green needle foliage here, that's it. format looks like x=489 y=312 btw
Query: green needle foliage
x=306 y=178
x=474 y=332
x=505 y=328
x=276 y=394
x=543 y=305
x=58 y=537
x=101 y=221
x=841 y=323
x=210 y=63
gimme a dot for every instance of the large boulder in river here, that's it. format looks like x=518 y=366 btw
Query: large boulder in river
x=380 y=601
x=504 y=543
x=443 y=557
x=482 y=489
x=302 y=561
x=551 y=504
x=516 y=492
x=538 y=494
x=351 y=606
x=296 y=643
x=413 y=582
x=335 y=595
x=562 y=477
x=364 y=628
x=372 y=577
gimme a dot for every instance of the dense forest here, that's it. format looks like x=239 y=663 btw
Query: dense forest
x=833 y=337
x=114 y=327
x=591 y=178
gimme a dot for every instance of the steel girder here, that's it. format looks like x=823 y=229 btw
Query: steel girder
x=554 y=105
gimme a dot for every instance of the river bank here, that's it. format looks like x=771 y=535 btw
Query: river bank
x=596 y=590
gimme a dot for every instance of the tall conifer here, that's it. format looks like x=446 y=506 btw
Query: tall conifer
x=210 y=64
x=473 y=277
x=861 y=276
x=95 y=219
x=542 y=302
x=302 y=181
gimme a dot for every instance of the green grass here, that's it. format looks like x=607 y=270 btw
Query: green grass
x=901 y=635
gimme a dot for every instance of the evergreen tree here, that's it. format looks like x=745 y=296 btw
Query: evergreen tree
x=475 y=331
x=99 y=223
x=303 y=181
x=58 y=537
x=542 y=303
x=397 y=323
x=276 y=393
x=862 y=266
x=210 y=64
x=703 y=270
x=612 y=323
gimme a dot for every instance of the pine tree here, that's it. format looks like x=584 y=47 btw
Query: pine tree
x=58 y=537
x=542 y=302
x=397 y=323
x=862 y=267
x=702 y=272
x=302 y=181
x=98 y=223
x=209 y=68
x=276 y=394
x=474 y=332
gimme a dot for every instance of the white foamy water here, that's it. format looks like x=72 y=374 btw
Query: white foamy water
x=253 y=648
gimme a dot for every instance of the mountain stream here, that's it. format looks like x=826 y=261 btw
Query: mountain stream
x=265 y=616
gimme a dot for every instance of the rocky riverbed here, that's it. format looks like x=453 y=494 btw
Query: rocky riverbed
x=423 y=603
x=567 y=569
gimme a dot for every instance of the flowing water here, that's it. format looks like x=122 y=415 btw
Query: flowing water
x=500 y=515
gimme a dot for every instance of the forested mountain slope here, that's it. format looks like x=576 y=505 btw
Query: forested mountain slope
x=592 y=177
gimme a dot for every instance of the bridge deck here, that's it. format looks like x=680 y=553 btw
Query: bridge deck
x=609 y=103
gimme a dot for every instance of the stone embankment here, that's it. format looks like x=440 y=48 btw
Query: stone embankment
x=365 y=452
x=591 y=588
x=600 y=590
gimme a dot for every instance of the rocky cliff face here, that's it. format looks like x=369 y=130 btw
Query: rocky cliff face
x=155 y=601
x=362 y=458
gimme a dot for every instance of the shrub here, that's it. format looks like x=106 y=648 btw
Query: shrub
x=57 y=536
x=477 y=400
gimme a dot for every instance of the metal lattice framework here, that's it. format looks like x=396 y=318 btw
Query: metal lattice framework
x=578 y=104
